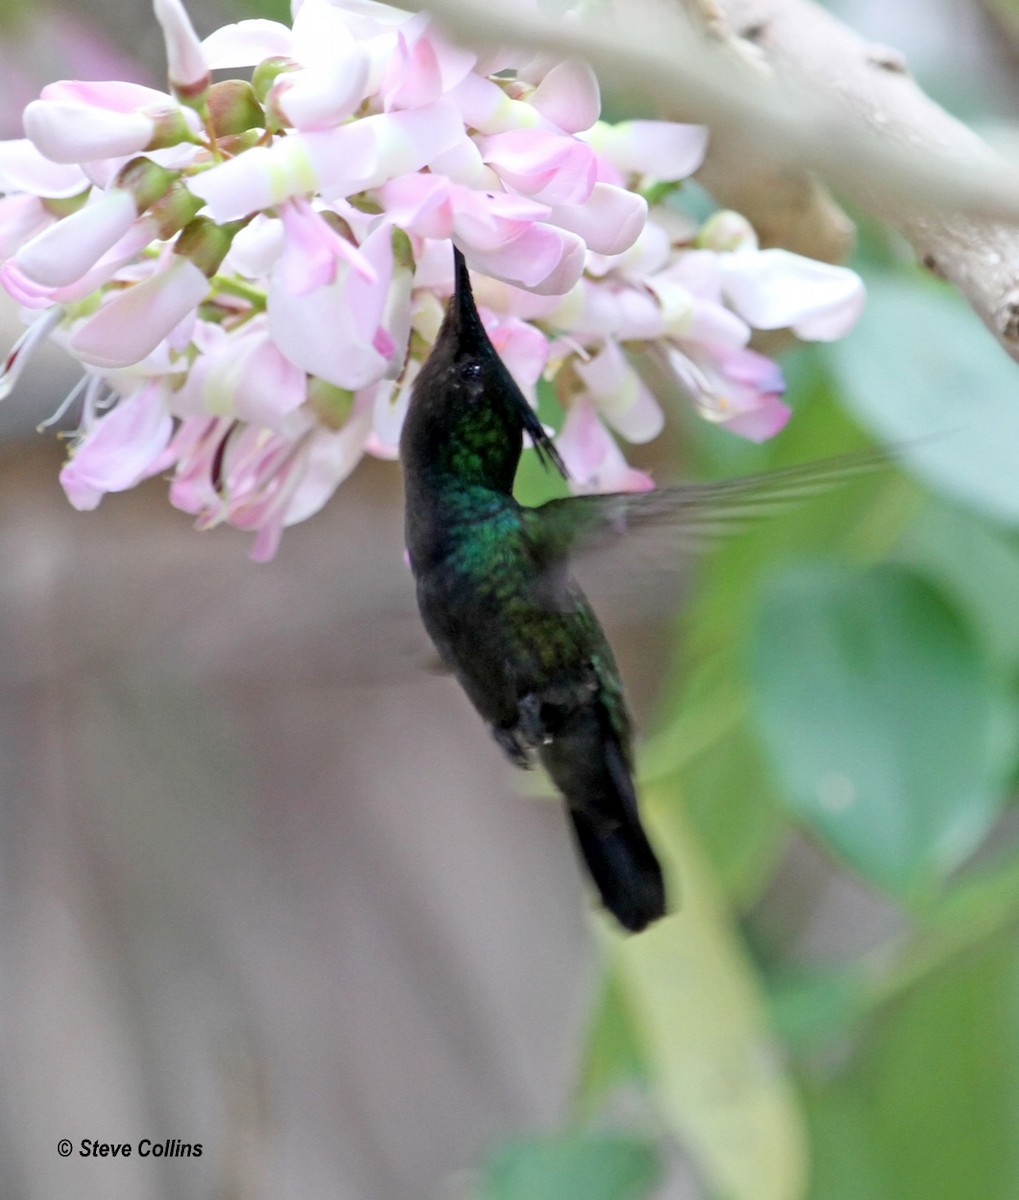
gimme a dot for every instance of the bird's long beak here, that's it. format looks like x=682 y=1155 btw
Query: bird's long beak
x=462 y=308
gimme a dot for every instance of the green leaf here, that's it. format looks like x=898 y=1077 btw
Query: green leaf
x=580 y=1167
x=731 y=801
x=977 y=566
x=927 y=1106
x=699 y=1018
x=921 y=372
x=880 y=717
x=612 y=1054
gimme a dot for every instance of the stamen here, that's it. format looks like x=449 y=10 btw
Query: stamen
x=22 y=349
x=65 y=404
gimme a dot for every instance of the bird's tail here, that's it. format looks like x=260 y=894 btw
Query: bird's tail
x=587 y=764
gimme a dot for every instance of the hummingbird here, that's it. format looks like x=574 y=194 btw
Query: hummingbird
x=499 y=600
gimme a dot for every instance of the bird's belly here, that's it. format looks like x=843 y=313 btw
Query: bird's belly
x=472 y=639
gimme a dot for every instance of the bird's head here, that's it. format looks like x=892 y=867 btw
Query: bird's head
x=467 y=415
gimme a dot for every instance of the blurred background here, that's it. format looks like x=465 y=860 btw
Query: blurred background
x=266 y=885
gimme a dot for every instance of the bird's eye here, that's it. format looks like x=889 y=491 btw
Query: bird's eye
x=469 y=369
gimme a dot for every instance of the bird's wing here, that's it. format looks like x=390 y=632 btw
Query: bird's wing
x=677 y=521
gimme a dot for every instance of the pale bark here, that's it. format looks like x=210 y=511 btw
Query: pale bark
x=818 y=98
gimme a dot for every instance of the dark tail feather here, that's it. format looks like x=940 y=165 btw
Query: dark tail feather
x=624 y=869
x=587 y=765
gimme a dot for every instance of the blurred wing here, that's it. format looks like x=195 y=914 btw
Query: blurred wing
x=665 y=527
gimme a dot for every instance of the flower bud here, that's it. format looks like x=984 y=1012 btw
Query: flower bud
x=145 y=180
x=173 y=210
x=330 y=404
x=727 y=230
x=205 y=243
x=267 y=72
x=233 y=108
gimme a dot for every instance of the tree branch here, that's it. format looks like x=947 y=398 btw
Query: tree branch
x=831 y=103
x=979 y=254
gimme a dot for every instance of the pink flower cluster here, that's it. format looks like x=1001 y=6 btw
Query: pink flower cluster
x=252 y=271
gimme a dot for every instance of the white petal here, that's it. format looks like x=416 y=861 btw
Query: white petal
x=246 y=43
x=322 y=34
x=322 y=96
x=75 y=133
x=187 y=67
x=331 y=457
x=659 y=149
x=65 y=251
x=24 y=169
x=775 y=289
x=621 y=395
x=259 y=178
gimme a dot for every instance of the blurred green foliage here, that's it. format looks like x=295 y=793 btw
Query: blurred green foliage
x=845 y=677
x=582 y=1167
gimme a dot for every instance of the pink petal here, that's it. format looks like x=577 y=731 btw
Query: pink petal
x=113 y=95
x=313 y=249
x=484 y=106
x=699 y=271
x=488 y=221
x=422 y=65
x=389 y=407
x=762 y=422
x=740 y=389
x=569 y=96
x=649 y=254
x=610 y=221
x=119 y=450
x=367 y=294
x=324 y=331
x=464 y=164
x=256 y=247
x=408 y=141
x=323 y=29
x=133 y=322
x=593 y=458
x=421 y=204
x=413 y=77
x=356 y=156
x=269 y=387
x=259 y=178
x=716 y=326
x=522 y=347
x=609 y=310
x=551 y=167
x=542 y=258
